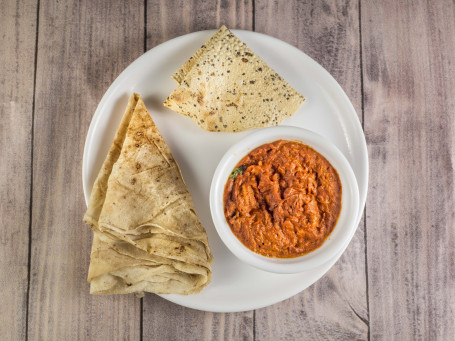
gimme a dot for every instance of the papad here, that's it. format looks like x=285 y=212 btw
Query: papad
x=226 y=87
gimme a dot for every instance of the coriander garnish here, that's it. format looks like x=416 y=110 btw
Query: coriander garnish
x=236 y=171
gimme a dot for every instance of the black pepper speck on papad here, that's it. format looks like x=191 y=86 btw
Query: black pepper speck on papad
x=225 y=86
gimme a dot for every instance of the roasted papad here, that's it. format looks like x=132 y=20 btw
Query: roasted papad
x=226 y=87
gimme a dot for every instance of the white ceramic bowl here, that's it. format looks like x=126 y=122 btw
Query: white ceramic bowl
x=346 y=224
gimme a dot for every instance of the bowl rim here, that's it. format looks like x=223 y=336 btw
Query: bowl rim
x=346 y=224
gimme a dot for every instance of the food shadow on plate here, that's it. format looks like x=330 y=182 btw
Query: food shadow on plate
x=154 y=104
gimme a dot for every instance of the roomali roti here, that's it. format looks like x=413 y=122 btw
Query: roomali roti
x=147 y=236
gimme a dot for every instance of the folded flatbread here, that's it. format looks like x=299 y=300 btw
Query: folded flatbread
x=147 y=236
x=225 y=86
x=118 y=267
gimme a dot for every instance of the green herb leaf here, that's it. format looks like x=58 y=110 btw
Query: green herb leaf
x=236 y=171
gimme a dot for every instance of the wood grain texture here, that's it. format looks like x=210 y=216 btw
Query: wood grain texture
x=335 y=307
x=166 y=20
x=408 y=53
x=17 y=43
x=82 y=47
x=409 y=79
x=164 y=320
x=173 y=18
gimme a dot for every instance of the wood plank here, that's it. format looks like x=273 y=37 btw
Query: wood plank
x=17 y=43
x=190 y=324
x=166 y=20
x=82 y=47
x=409 y=79
x=335 y=307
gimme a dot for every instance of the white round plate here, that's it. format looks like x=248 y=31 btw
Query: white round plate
x=235 y=286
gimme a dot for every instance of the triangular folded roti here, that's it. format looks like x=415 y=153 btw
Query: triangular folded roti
x=147 y=236
x=225 y=86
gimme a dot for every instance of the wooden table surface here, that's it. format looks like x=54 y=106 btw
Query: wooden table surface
x=394 y=59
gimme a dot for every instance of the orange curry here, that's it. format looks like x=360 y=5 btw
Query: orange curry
x=283 y=199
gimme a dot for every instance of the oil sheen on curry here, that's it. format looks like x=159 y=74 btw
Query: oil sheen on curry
x=283 y=199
